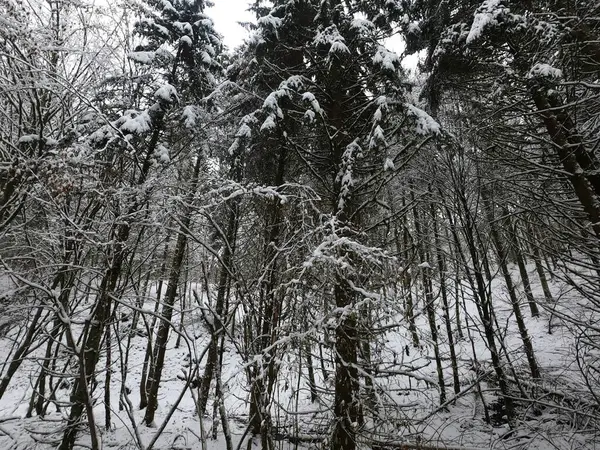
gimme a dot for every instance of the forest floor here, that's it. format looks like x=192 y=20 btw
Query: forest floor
x=547 y=423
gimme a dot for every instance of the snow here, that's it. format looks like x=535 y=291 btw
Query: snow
x=142 y=57
x=186 y=40
x=166 y=93
x=270 y=23
x=162 y=154
x=388 y=164
x=137 y=123
x=184 y=28
x=159 y=28
x=28 y=138
x=408 y=385
x=235 y=145
x=377 y=115
x=377 y=137
x=345 y=175
x=271 y=101
x=331 y=37
x=413 y=27
x=362 y=25
x=338 y=47
x=388 y=60
x=244 y=131
x=189 y=116
x=425 y=124
x=168 y=6
x=309 y=115
x=206 y=58
x=486 y=15
x=310 y=98
x=268 y=124
x=545 y=71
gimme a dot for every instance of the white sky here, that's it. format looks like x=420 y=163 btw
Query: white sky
x=226 y=14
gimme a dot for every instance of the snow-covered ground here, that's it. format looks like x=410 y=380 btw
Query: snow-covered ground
x=410 y=394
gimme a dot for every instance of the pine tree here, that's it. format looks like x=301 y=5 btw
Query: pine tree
x=333 y=105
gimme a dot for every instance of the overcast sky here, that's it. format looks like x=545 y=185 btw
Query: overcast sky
x=226 y=14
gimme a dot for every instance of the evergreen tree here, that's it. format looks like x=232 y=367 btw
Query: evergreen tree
x=333 y=110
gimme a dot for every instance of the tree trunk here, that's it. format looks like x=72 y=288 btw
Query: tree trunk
x=162 y=336
x=22 y=351
x=429 y=300
x=441 y=264
x=345 y=404
x=521 y=264
x=216 y=323
x=484 y=305
x=502 y=255
x=149 y=356
x=577 y=161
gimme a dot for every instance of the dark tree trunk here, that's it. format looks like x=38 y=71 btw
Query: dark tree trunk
x=216 y=322
x=502 y=255
x=162 y=336
x=581 y=166
x=441 y=265
x=521 y=264
x=149 y=356
x=345 y=404
x=429 y=300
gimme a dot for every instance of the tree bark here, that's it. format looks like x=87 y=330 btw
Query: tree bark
x=502 y=256
x=162 y=336
x=441 y=265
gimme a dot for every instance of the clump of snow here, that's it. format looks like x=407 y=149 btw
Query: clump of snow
x=413 y=27
x=362 y=25
x=344 y=176
x=134 y=122
x=255 y=38
x=234 y=146
x=184 y=28
x=26 y=139
x=388 y=164
x=206 y=59
x=377 y=137
x=332 y=37
x=425 y=124
x=487 y=14
x=309 y=97
x=166 y=93
x=309 y=115
x=157 y=27
x=189 y=116
x=162 y=154
x=244 y=131
x=142 y=57
x=186 y=40
x=544 y=71
x=268 y=124
x=168 y=6
x=270 y=23
x=386 y=59
x=377 y=115
x=339 y=47
x=165 y=54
